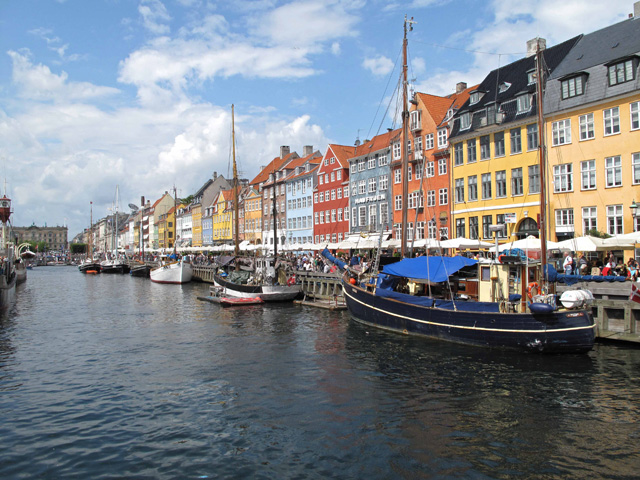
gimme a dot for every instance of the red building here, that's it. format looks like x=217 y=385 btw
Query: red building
x=331 y=198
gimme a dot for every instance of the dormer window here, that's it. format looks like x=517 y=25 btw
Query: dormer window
x=465 y=121
x=524 y=103
x=622 y=71
x=416 y=120
x=531 y=77
x=475 y=97
x=572 y=87
x=504 y=86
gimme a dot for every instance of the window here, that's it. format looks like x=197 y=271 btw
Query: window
x=460 y=228
x=498 y=140
x=412 y=200
x=614 y=220
x=588 y=175
x=465 y=121
x=415 y=122
x=532 y=137
x=563 y=178
x=354 y=188
x=486 y=186
x=442 y=138
x=473 y=228
x=431 y=198
x=534 y=178
x=572 y=87
x=320 y=177
x=354 y=167
x=485 y=147
x=564 y=219
x=397 y=176
x=419 y=170
x=372 y=185
x=472 y=188
x=431 y=229
x=501 y=184
x=523 y=103
x=475 y=97
x=398 y=202
x=354 y=215
x=486 y=223
x=611 y=121
x=339 y=193
x=442 y=166
x=373 y=216
x=457 y=154
x=621 y=72
x=428 y=141
x=333 y=176
x=635 y=115
x=516 y=141
x=396 y=150
x=322 y=217
x=322 y=194
x=362 y=216
x=346 y=214
x=443 y=193
x=339 y=214
x=409 y=172
x=333 y=194
x=418 y=141
x=613 y=171
x=338 y=176
x=361 y=164
x=517 y=187
x=459 y=190
x=383 y=182
x=635 y=168
x=589 y=219
x=561 y=132
x=345 y=192
x=362 y=187
x=586 y=127
x=430 y=171
x=384 y=213
x=333 y=215
x=372 y=163
x=383 y=160
x=419 y=230
x=471 y=151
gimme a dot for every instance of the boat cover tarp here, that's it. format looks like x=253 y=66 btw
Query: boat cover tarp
x=431 y=268
x=327 y=254
x=554 y=276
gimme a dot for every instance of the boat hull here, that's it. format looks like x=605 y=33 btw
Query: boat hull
x=90 y=267
x=268 y=293
x=115 y=267
x=568 y=331
x=175 y=273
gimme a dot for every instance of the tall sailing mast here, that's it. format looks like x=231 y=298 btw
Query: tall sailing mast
x=236 y=194
x=408 y=24
x=542 y=156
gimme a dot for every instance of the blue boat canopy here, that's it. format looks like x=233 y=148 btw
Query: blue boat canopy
x=433 y=269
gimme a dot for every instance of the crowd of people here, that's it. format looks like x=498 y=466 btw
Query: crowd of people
x=607 y=266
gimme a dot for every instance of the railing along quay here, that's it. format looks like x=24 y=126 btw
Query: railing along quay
x=617 y=318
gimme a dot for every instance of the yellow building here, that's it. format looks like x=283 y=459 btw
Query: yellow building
x=592 y=113
x=196 y=219
x=253 y=216
x=166 y=229
x=494 y=146
x=222 y=217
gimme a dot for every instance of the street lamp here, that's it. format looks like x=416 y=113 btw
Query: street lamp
x=634 y=209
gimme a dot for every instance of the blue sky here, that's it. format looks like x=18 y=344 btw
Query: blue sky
x=137 y=93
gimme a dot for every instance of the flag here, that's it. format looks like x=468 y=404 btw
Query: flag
x=635 y=293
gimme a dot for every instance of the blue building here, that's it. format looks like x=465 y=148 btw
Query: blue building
x=299 y=194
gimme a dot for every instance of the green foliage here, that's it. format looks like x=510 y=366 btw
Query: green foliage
x=38 y=246
x=595 y=233
x=186 y=200
x=78 y=248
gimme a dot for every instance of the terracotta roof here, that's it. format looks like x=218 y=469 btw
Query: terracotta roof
x=342 y=153
x=315 y=168
x=437 y=106
x=377 y=143
x=275 y=164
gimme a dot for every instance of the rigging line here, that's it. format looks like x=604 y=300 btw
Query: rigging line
x=466 y=50
x=383 y=95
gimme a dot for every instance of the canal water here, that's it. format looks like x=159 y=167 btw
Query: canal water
x=116 y=377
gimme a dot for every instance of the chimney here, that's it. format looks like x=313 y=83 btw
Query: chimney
x=284 y=151
x=460 y=87
x=215 y=175
x=532 y=46
x=142 y=201
x=636 y=9
x=307 y=150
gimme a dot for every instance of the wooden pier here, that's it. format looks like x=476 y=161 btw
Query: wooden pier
x=617 y=318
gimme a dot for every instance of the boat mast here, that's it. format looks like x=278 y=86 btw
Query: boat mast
x=235 y=188
x=175 y=223
x=542 y=158
x=275 y=230
x=91 y=231
x=405 y=136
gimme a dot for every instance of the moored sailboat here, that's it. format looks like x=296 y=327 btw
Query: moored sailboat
x=89 y=265
x=465 y=301
x=269 y=282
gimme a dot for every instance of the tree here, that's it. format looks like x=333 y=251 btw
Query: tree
x=595 y=233
x=78 y=248
x=186 y=200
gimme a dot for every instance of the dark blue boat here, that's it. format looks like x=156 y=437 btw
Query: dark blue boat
x=375 y=301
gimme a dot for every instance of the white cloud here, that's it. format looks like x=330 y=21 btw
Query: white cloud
x=154 y=13
x=335 y=48
x=379 y=65
x=39 y=82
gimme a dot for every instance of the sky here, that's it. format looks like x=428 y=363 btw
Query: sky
x=136 y=95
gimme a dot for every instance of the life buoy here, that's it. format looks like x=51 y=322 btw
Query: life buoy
x=291 y=280
x=530 y=288
x=501 y=258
